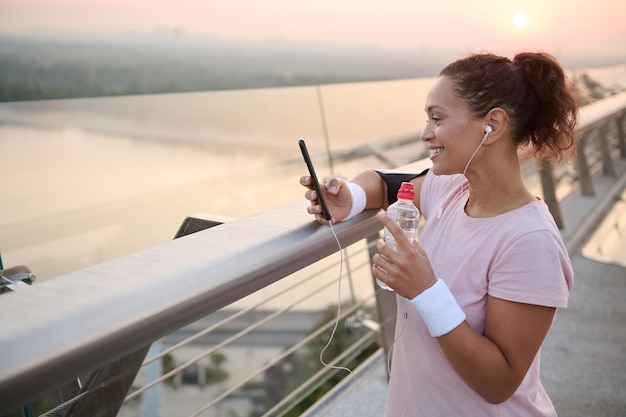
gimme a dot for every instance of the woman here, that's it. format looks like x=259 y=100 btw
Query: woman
x=479 y=291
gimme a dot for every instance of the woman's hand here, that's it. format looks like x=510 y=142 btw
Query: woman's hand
x=337 y=195
x=406 y=269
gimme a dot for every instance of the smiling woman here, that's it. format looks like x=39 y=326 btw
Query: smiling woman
x=475 y=304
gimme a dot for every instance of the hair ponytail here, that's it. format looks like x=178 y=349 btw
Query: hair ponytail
x=549 y=116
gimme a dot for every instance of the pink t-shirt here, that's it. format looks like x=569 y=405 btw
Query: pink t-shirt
x=517 y=256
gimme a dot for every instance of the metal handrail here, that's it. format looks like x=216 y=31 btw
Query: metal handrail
x=132 y=301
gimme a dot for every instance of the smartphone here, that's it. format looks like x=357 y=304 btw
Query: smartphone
x=316 y=183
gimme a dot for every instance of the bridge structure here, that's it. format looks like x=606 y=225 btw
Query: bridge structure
x=100 y=341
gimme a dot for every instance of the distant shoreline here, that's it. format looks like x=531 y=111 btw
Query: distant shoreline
x=42 y=66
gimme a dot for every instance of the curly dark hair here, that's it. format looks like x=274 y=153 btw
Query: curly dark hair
x=532 y=89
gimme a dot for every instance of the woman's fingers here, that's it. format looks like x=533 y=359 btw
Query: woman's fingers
x=402 y=242
x=306 y=181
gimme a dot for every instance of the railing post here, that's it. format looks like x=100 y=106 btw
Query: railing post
x=385 y=305
x=104 y=392
x=621 y=137
x=582 y=166
x=608 y=168
x=549 y=192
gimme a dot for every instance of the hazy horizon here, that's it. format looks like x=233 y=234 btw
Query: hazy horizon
x=51 y=65
x=174 y=38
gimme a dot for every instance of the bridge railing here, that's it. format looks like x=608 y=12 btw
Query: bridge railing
x=85 y=321
x=98 y=324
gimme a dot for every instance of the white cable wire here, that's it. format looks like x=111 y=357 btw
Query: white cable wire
x=475 y=152
x=332 y=334
x=405 y=317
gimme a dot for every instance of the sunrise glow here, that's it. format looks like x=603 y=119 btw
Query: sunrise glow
x=582 y=27
x=520 y=20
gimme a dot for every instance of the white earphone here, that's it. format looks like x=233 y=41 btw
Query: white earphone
x=488 y=130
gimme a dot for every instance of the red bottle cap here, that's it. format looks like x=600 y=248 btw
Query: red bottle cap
x=406 y=191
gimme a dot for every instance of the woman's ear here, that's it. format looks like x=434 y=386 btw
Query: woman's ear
x=497 y=121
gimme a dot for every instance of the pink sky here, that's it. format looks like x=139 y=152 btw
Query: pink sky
x=557 y=26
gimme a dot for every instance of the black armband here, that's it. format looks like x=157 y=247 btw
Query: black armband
x=394 y=179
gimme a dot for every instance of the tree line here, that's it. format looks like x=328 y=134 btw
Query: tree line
x=51 y=69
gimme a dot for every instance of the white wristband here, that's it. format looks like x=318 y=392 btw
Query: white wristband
x=358 y=200
x=439 y=309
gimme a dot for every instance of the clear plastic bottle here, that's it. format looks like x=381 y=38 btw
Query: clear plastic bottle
x=406 y=215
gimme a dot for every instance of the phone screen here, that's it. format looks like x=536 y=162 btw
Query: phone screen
x=316 y=184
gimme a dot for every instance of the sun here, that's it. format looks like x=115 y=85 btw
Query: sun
x=520 y=20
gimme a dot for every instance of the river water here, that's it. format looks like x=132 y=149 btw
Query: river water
x=87 y=180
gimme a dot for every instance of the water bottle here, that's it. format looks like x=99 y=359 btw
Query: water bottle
x=406 y=215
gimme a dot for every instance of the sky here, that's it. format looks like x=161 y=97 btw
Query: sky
x=561 y=27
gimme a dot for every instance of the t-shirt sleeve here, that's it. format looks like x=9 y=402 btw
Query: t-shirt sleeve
x=534 y=269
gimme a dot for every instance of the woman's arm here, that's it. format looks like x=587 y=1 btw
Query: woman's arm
x=378 y=189
x=494 y=364
x=374 y=187
x=339 y=199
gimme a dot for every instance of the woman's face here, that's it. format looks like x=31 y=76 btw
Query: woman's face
x=451 y=132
